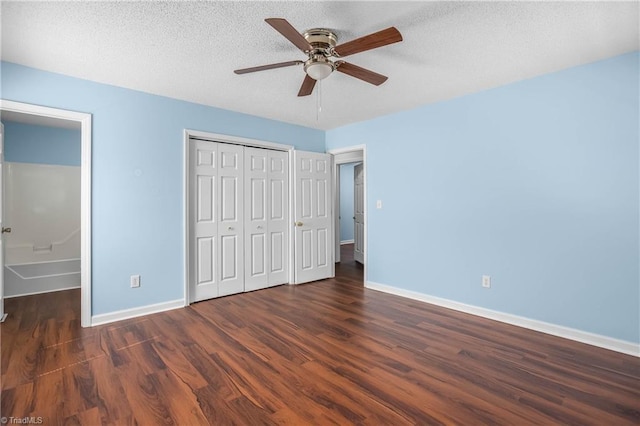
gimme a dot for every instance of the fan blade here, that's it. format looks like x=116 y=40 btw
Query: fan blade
x=368 y=42
x=268 y=67
x=307 y=86
x=290 y=33
x=361 y=73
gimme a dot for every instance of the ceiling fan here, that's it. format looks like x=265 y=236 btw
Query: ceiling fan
x=319 y=44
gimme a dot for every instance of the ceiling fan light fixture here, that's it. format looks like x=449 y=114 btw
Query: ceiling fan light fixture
x=318 y=68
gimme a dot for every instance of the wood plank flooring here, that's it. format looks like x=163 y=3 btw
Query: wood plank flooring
x=330 y=352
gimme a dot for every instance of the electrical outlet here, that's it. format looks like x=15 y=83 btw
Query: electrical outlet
x=486 y=281
x=135 y=281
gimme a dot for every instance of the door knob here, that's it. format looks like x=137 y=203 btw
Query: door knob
x=6 y=230
x=299 y=223
x=230 y=228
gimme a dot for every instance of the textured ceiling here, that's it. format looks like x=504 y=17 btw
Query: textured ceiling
x=188 y=50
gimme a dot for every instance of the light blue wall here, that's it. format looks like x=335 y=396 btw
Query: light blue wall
x=535 y=183
x=346 y=202
x=25 y=143
x=137 y=168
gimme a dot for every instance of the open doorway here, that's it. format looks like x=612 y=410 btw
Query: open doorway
x=351 y=214
x=53 y=254
x=41 y=201
x=350 y=205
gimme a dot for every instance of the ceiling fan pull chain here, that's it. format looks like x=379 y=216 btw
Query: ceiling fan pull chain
x=319 y=100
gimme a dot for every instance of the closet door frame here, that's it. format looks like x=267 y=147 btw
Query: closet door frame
x=215 y=137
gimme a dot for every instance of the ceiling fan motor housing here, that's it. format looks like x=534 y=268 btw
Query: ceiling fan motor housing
x=319 y=66
x=321 y=39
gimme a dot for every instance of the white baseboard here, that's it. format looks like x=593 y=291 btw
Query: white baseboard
x=343 y=242
x=617 y=345
x=136 y=312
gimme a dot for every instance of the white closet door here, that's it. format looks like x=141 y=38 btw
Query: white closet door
x=278 y=217
x=230 y=219
x=203 y=238
x=239 y=220
x=266 y=224
x=255 y=222
x=313 y=257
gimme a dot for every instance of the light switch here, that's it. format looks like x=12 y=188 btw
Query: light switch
x=379 y=204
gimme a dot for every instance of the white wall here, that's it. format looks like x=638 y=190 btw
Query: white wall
x=42 y=207
x=346 y=202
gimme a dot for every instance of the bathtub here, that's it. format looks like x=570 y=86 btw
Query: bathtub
x=41 y=277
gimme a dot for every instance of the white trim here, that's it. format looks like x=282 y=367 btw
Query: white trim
x=593 y=339
x=136 y=312
x=336 y=211
x=43 y=291
x=292 y=216
x=236 y=140
x=185 y=218
x=85 y=121
x=343 y=242
x=348 y=149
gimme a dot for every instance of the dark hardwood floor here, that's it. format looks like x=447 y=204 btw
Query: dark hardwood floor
x=330 y=352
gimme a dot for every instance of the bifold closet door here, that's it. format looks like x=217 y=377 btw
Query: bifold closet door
x=266 y=225
x=216 y=218
x=203 y=229
x=231 y=218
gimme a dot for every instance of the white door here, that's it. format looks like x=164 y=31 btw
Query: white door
x=203 y=238
x=278 y=216
x=2 y=314
x=358 y=210
x=255 y=222
x=313 y=239
x=231 y=219
x=216 y=210
x=266 y=226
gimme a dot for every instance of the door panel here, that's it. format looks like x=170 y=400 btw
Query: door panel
x=231 y=223
x=322 y=247
x=358 y=207
x=258 y=195
x=278 y=241
x=258 y=255
x=313 y=257
x=278 y=217
x=306 y=196
x=278 y=199
x=204 y=226
x=206 y=193
x=266 y=197
x=255 y=224
x=204 y=259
